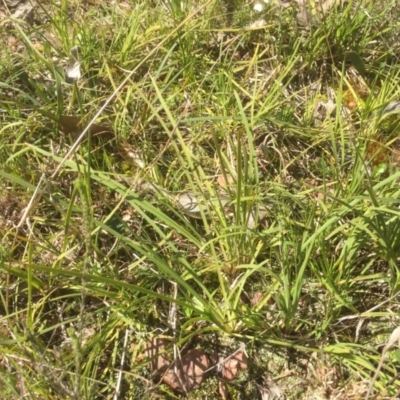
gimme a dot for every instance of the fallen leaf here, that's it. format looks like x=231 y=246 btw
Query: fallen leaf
x=189 y=372
x=259 y=23
x=233 y=365
x=257 y=215
x=23 y=11
x=125 y=5
x=303 y=16
x=132 y=154
x=328 y=4
x=269 y=390
x=189 y=202
x=73 y=69
x=396 y=153
x=223 y=390
x=392 y=108
x=155 y=351
x=12 y=3
x=225 y=181
x=68 y=124
x=12 y=41
x=174 y=380
x=257 y=297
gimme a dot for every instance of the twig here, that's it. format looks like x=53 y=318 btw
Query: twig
x=394 y=337
x=119 y=380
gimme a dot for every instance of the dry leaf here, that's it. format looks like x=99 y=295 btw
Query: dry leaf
x=392 y=108
x=224 y=181
x=134 y=155
x=257 y=297
x=259 y=23
x=396 y=153
x=125 y=5
x=24 y=11
x=223 y=390
x=155 y=351
x=233 y=365
x=188 y=373
x=13 y=3
x=303 y=16
x=261 y=213
x=326 y=5
x=12 y=41
x=73 y=69
x=188 y=201
x=68 y=124
x=269 y=390
x=192 y=203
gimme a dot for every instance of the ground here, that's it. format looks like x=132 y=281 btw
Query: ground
x=199 y=199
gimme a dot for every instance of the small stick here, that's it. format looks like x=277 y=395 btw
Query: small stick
x=394 y=337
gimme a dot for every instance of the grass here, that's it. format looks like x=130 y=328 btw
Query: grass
x=239 y=189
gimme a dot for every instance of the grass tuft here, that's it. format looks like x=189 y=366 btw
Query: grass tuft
x=218 y=178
